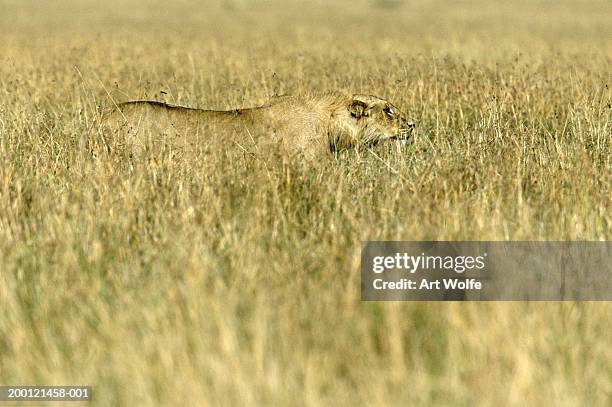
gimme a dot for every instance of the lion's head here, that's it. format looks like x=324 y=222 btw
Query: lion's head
x=368 y=120
x=378 y=120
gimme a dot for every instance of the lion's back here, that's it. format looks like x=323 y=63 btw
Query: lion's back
x=293 y=123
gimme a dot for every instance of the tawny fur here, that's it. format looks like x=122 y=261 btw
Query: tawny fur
x=308 y=125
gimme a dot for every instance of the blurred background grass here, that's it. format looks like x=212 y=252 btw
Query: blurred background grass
x=203 y=276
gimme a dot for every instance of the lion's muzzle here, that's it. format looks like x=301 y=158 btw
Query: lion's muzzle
x=405 y=131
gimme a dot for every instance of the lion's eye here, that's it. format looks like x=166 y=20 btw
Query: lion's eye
x=388 y=111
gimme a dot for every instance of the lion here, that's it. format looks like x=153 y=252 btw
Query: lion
x=307 y=125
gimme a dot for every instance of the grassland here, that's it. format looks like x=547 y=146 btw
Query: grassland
x=203 y=276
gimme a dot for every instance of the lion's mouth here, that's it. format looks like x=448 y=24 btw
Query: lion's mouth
x=400 y=137
x=404 y=134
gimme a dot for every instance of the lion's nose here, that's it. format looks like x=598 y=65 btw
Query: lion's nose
x=410 y=125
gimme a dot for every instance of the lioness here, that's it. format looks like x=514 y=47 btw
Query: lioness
x=300 y=124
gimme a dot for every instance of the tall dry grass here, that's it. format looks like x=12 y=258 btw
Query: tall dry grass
x=205 y=276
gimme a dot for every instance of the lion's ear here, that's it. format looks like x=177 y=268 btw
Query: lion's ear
x=358 y=108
